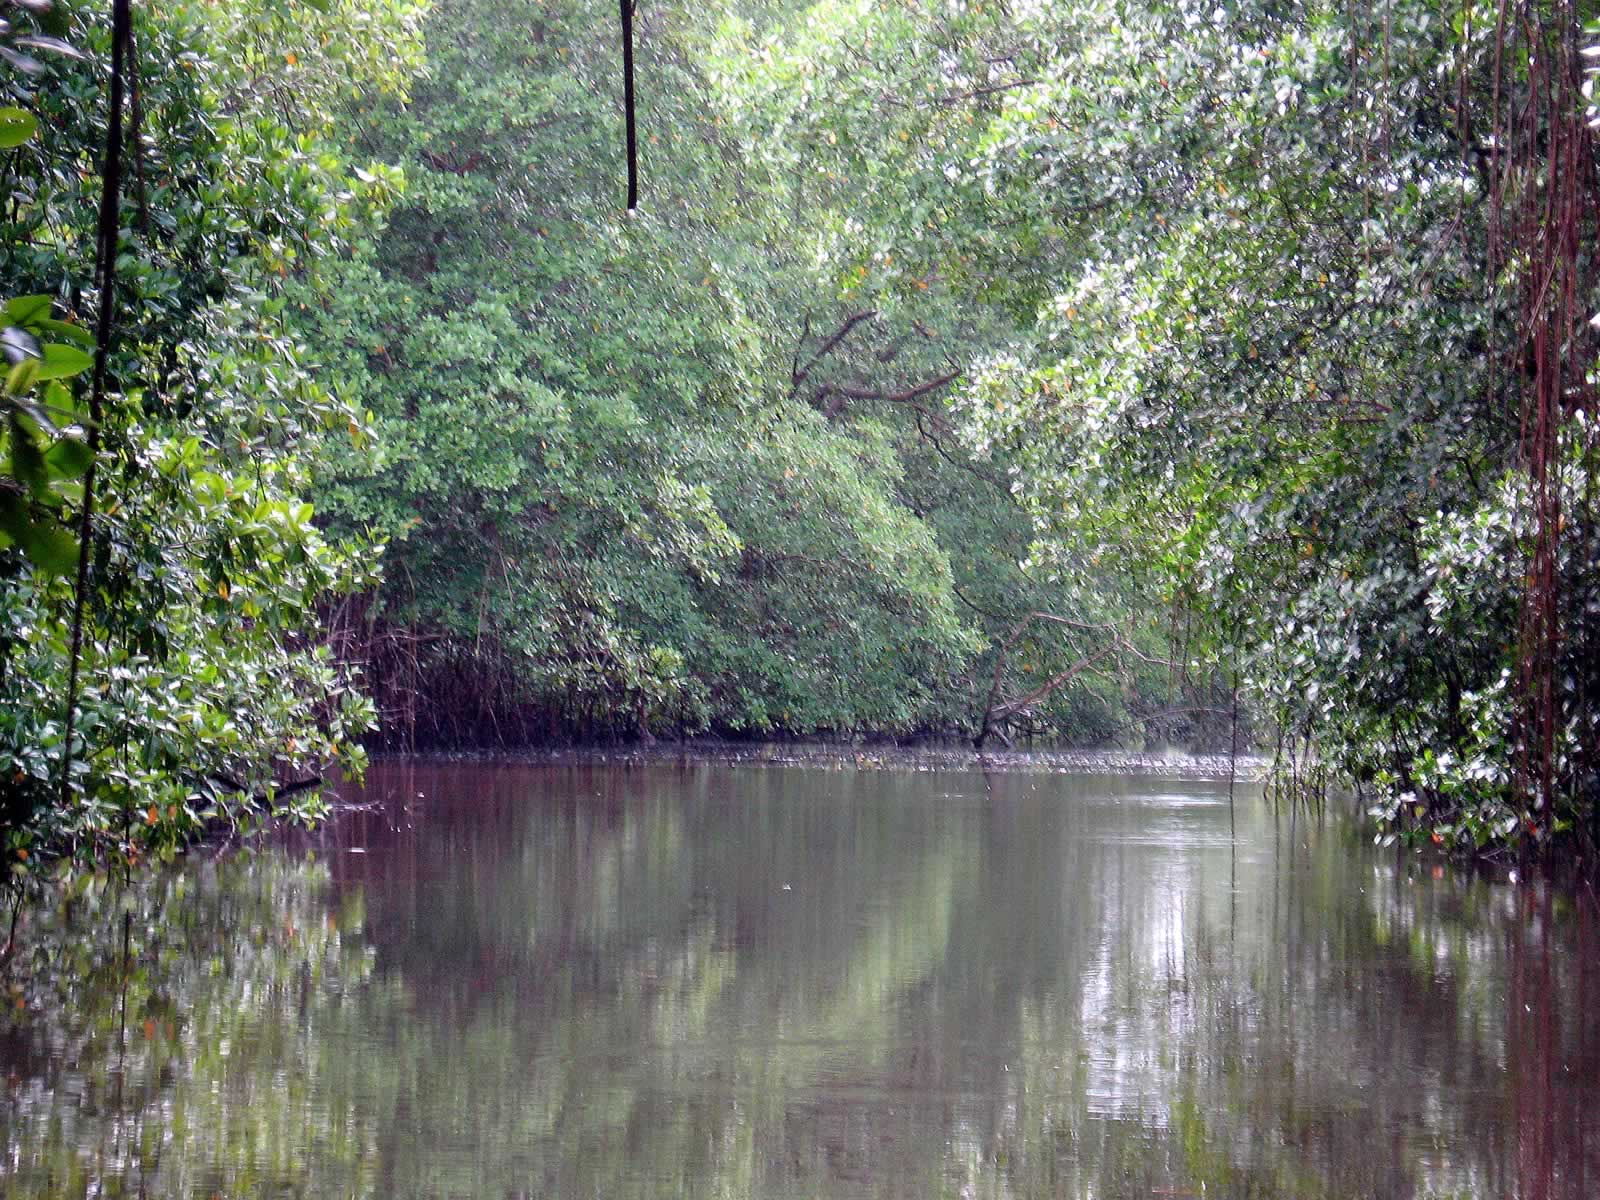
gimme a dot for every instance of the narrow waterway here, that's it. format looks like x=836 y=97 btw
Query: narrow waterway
x=701 y=979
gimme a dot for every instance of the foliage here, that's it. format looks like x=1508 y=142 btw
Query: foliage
x=206 y=698
x=605 y=511
x=671 y=471
x=41 y=452
x=965 y=368
x=1274 y=356
x=44 y=450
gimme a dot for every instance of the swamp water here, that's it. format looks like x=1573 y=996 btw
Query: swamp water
x=743 y=980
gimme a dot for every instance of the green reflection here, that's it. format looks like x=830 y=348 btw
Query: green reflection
x=167 y=1038
x=715 y=981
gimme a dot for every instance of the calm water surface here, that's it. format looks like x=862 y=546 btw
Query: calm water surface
x=791 y=981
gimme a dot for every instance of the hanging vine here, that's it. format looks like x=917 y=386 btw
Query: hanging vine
x=106 y=283
x=1543 y=202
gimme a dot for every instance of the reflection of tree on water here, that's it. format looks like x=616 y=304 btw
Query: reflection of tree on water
x=238 y=978
x=585 y=981
x=704 y=1009
x=1555 y=1026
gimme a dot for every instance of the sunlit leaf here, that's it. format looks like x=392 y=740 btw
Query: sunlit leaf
x=63 y=362
x=17 y=125
x=27 y=310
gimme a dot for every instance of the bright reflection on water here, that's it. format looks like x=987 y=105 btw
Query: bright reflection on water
x=748 y=981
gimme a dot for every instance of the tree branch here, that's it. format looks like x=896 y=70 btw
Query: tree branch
x=844 y=392
x=996 y=711
x=975 y=93
x=1055 y=681
x=799 y=375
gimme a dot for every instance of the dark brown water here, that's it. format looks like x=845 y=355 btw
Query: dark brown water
x=783 y=981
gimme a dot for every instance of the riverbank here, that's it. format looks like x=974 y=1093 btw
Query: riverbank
x=1162 y=764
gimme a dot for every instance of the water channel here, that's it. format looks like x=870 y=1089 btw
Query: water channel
x=765 y=979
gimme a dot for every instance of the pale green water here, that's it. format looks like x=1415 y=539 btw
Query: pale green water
x=764 y=981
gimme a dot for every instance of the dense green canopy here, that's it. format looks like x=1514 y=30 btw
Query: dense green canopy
x=1109 y=371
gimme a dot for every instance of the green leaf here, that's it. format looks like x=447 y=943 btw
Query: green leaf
x=51 y=548
x=27 y=310
x=66 y=329
x=22 y=376
x=27 y=459
x=63 y=362
x=60 y=407
x=17 y=125
x=14 y=520
x=68 y=459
